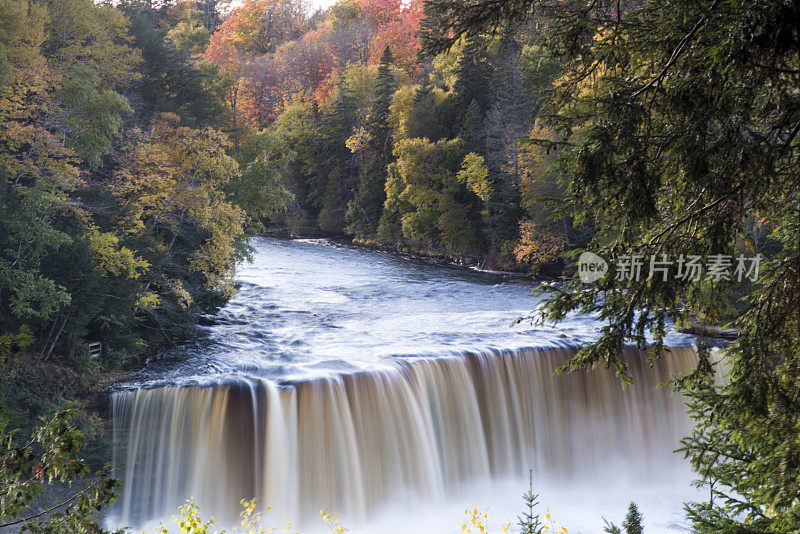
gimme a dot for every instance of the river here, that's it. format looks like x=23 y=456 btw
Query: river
x=394 y=394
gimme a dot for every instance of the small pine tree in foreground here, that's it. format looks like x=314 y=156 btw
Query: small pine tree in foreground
x=529 y=522
x=632 y=523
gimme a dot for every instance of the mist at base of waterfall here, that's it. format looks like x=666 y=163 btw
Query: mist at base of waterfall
x=580 y=509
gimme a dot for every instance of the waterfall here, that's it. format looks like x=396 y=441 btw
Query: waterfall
x=353 y=443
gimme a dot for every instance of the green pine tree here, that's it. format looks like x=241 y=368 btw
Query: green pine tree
x=335 y=165
x=427 y=118
x=508 y=122
x=632 y=523
x=529 y=522
x=364 y=210
x=633 y=520
x=473 y=75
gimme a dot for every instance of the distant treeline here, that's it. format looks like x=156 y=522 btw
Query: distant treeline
x=373 y=140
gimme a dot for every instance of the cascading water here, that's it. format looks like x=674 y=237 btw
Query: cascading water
x=353 y=443
x=252 y=416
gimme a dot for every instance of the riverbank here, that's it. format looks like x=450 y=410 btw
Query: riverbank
x=432 y=256
x=714 y=335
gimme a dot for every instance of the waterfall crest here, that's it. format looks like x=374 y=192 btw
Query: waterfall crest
x=353 y=443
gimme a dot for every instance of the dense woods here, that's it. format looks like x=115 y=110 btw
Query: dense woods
x=413 y=153
x=142 y=142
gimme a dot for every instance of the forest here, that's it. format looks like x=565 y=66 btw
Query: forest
x=144 y=141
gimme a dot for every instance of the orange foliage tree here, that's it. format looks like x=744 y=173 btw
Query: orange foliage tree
x=307 y=65
x=395 y=25
x=232 y=64
x=543 y=237
x=538 y=244
x=401 y=35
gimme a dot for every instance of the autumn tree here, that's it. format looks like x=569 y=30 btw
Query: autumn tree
x=56 y=122
x=396 y=27
x=174 y=194
x=429 y=113
x=230 y=65
x=547 y=232
x=350 y=34
x=264 y=84
x=212 y=13
x=297 y=130
x=261 y=26
x=188 y=33
x=307 y=65
x=259 y=189
x=426 y=198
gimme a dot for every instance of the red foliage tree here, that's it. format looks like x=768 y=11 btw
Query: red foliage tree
x=307 y=65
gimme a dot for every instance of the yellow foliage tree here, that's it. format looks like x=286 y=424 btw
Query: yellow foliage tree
x=475 y=176
x=175 y=187
x=538 y=244
x=543 y=237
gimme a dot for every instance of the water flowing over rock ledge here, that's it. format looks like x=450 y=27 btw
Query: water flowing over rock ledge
x=355 y=442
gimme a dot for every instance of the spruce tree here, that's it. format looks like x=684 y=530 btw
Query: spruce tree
x=335 y=165
x=507 y=123
x=472 y=129
x=473 y=75
x=172 y=81
x=633 y=520
x=529 y=522
x=632 y=523
x=364 y=210
x=427 y=118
